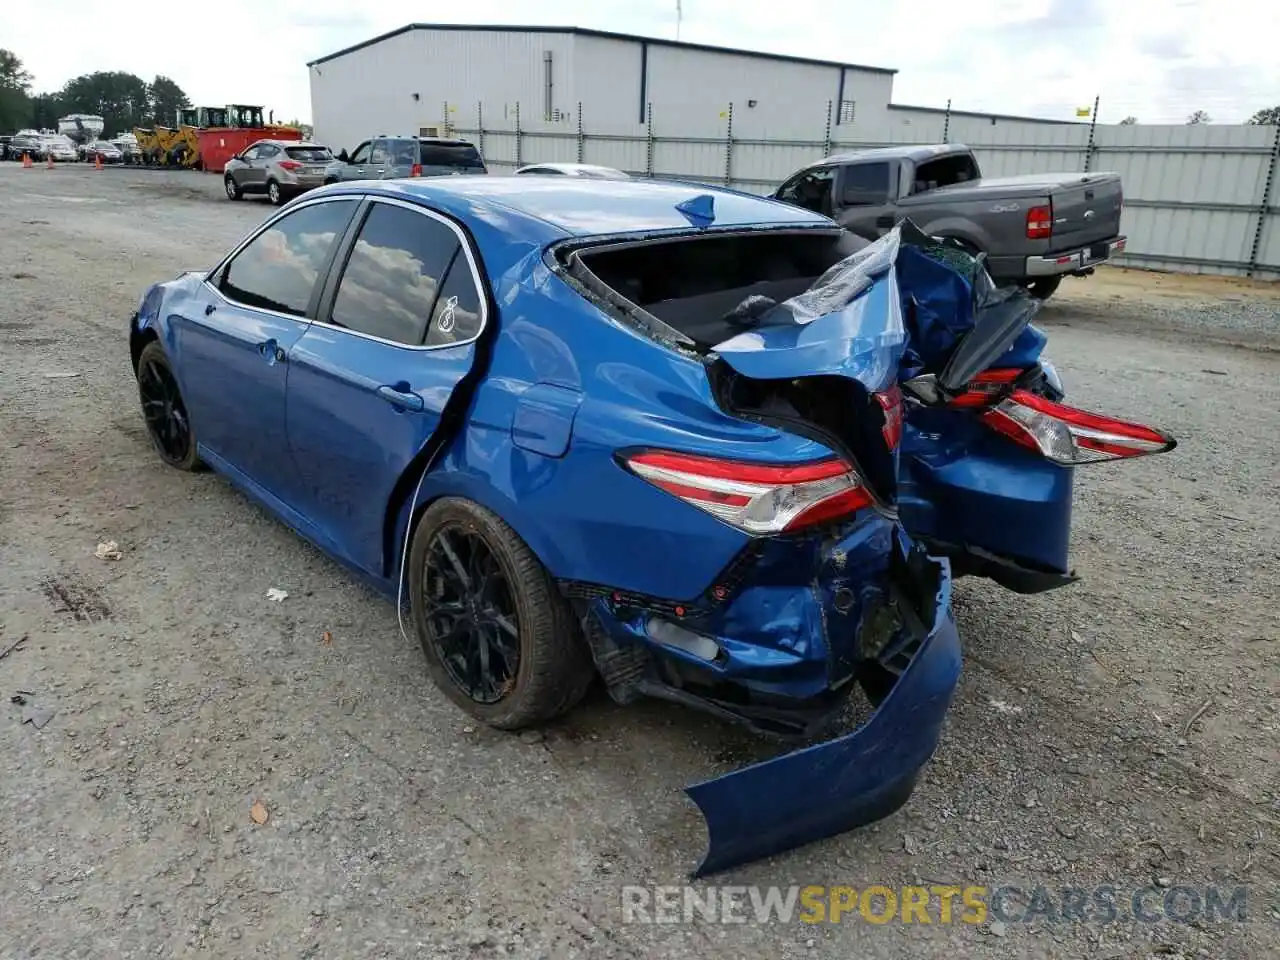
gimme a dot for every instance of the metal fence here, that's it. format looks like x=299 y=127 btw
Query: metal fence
x=1198 y=198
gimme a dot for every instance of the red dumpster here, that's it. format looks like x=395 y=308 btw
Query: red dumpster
x=220 y=144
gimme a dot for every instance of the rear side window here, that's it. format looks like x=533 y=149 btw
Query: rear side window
x=389 y=286
x=309 y=154
x=460 y=155
x=279 y=267
x=457 y=314
x=944 y=172
x=865 y=184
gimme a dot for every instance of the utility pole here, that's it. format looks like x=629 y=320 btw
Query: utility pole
x=679 y=17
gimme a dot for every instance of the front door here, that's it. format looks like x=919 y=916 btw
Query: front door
x=354 y=168
x=234 y=338
x=395 y=334
x=864 y=198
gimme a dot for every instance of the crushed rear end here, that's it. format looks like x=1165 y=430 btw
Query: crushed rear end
x=828 y=593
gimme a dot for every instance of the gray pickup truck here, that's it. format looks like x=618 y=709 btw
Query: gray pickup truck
x=1034 y=229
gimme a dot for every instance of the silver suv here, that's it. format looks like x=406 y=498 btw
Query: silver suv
x=278 y=168
x=390 y=158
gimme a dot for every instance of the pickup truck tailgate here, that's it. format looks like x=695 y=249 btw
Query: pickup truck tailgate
x=1085 y=211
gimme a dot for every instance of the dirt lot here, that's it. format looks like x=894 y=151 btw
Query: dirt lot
x=1123 y=731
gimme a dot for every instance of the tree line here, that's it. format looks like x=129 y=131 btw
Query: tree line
x=123 y=100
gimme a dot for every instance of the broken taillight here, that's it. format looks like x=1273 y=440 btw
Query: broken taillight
x=1066 y=435
x=755 y=497
x=891 y=403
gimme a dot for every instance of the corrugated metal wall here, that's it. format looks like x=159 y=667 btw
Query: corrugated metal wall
x=1198 y=199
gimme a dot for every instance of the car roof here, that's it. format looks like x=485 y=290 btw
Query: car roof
x=286 y=143
x=406 y=136
x=570 y=166
x=915 y=152
x=545 y=209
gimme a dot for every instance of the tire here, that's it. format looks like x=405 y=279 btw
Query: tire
x=274 y=193
x=153 y=367
x=1042 y=288
x=233 y=191
x=553 y=668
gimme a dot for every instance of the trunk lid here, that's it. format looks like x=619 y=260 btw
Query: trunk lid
x=1086 y=211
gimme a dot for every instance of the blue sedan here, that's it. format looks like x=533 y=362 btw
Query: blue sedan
x=559 y=421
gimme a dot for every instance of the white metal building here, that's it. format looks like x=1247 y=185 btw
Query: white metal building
x=401 y=82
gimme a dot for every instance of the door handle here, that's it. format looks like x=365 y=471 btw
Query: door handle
x=400 y=397
x=272 y=352
x=209 y=308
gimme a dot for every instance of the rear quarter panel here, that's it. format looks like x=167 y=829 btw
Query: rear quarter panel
x=586 y=517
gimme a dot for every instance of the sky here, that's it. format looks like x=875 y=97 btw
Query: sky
x=1156 y=60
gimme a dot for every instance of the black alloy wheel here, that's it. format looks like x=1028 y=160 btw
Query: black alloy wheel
x=472 y=620
x=164 y=411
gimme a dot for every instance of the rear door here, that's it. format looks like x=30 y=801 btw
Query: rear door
x=865 y=197
x=379 y=160
x=235 y=336
x=395 y=334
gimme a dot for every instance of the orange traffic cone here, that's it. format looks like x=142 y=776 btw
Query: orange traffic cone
x=26 y=161
x=49 y=163
x=97 y=162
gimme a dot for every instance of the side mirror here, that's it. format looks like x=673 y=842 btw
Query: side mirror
x=344 y=156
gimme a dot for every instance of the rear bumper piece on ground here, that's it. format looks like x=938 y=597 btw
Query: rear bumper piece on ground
x=1071 y=261
x=826 y=789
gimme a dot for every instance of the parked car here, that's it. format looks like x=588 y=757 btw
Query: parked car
x=391 y=158
x=591 y=170
x=1034 y=229
x=104 y=149
x=278 y=168
x=645 y=430
x=4 y=146
x=27 y=144
x=128 y=147
x=61 y=149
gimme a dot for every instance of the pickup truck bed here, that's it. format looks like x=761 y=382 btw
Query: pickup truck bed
x=1034 y=228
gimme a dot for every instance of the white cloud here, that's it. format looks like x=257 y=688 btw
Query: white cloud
x=1158 y=60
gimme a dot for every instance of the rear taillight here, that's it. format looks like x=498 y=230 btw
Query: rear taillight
x=891 y=403
x=754 y=497
x=290 y=165
x=1039 y=223
x=1070 y=436
x=1065 y=435
x=415 y=170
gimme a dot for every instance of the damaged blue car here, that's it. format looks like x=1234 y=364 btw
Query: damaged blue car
x=702 y=445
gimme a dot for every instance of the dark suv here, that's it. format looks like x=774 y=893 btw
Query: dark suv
x=389 y=158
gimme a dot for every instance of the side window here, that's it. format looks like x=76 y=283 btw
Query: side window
x=811 y=190
x=361 y=154
x=388 y=288
x=267 y=150
x=404 y=153
x=250 y=154
x=279 y=268
x=379 y=153
x=457 y=314
x=865 y=185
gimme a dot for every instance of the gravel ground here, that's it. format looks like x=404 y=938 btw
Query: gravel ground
x=1122 y=731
